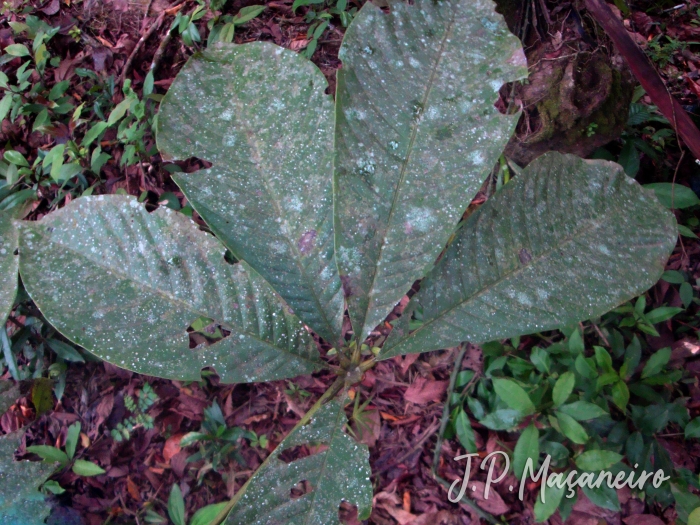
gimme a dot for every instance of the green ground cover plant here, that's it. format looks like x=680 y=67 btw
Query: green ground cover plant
x=332 y=205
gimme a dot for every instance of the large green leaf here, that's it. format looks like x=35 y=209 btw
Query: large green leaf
x=8 y=263
x=126 y=284
x=566 y=241
x=338 y=473
x=260 y=114
x=416 y=134
x=20 y=501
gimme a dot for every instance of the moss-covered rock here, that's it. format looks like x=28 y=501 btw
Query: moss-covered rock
x=578 y=91
x=574 y=105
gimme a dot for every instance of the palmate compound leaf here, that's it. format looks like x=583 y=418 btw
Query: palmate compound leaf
x=260 y=115
x=125 y=284
x=20 y=501
x=416 y=135
x=565 y=241
x=340 y=472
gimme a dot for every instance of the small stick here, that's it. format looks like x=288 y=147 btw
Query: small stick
x=139 y=45
x=164 y=43
x=148 y=8
x=446 y=409
x=418 y=444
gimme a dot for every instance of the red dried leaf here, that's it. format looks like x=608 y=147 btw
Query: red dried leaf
x=423 y=391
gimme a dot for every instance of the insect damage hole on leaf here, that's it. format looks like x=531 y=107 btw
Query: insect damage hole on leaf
x=300 y=489
x=302 y=451
x=205 y=332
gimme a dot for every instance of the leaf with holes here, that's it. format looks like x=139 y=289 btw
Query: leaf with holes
x=329 y=205
x=126 y=284
x=338 y=471
x=9 y=392
x=416 y=134
x=263 y=120
x=579 y=238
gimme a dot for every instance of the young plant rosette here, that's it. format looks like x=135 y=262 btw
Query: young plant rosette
x=341 y=205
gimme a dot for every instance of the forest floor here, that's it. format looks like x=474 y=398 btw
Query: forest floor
x=101 y=44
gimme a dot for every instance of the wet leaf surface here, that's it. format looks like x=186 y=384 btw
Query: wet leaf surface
x=596 y=237
x=20 y=501
x=260 y=114
x=339 y=472
x=416 y=135
x=125 y=284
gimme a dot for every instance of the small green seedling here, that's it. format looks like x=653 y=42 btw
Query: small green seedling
x=139 y=418
x=67 y=458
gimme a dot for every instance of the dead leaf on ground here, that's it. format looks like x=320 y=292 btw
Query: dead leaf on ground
x=642 y=519
x=171 y=447
x=391 y=503
x=132 y=489
x=368 y=429
x=494 y=504
x=442 y=517
x=422 y=391
x=298 y=44
x=51 y=8
x=406 y=362
x=586 y=512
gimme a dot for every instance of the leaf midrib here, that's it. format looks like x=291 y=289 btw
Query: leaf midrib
x=297 y=255
x=594 y=224
x=324 y=463
x=169 y=298
x=405 y=163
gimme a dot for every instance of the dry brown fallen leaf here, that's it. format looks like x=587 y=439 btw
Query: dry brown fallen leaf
x=171 y=447
x=494 y=504
x=642 y=519
x=422 y=391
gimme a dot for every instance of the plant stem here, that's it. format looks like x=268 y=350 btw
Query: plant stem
x=478 y=510
x=336 y=387
x=446 y=408
x=443 y=425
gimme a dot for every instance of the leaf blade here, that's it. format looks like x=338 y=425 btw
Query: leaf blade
x=563 y=388
x=596 y=460
x=513 y=395
x=340 y=472
x=389 y=229
x=268 y=191
x=9 y=262
x=136 y=280
x=527 y=447
x=20 y=501
x=82 y=467
x=593 y=225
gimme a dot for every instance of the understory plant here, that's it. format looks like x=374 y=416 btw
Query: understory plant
x=589 y=408
x=334 y=206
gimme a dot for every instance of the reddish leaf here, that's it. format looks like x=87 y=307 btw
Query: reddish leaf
x=642 y=519
x=424 y=390
x=171 y=447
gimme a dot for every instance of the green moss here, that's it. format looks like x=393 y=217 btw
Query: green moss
x=610 y=117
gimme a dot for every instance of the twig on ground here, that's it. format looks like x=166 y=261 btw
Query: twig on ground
x=139 y=45
x=164 y=43
x=443 y=425
x=646 y=74
x=446 y=410
x=418 y=444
